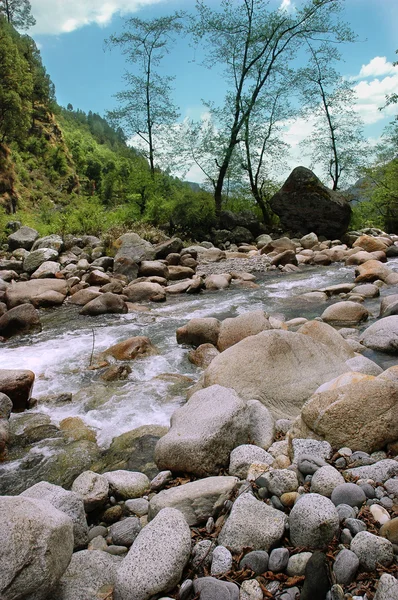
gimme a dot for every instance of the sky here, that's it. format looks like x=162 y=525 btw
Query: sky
x=71 y=36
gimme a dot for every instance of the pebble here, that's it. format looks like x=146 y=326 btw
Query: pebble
x=96 y=531
x=360 y=459
x=210 y=525
x=348 y=493
x=210 y=588
x=345 y=512
x=336 y=593
x=341 y=463
x=202 y=554
x=97 y=543
x=380 y=514
x=368 y=489
x=258 y=561
x=185 y=589
x=290 y=594
x=297 y=563
x=117 y=550
x=289 y=499
x=160 y=481
x=222 y=561
x=125 y=532
x=278 y=560
x=354 y=526
x=137 y=506
x=308 y=464
x=387 y=502
x=372 y=549
x=316 y=584
x=250 y=590
x=345 y=536
x=345 y=567
x=276 y=503
x=325 y=480
x=113 y=514
x=281 y=481
x=345 y=452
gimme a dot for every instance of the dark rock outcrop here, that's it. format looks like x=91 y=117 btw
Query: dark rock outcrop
x=304 y=204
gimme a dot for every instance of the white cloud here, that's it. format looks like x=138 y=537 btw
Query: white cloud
x=287 y=5
x=63 y=16
x=377 y=67
x=372 y=95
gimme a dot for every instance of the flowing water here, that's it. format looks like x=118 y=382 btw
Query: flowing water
x=61 y=354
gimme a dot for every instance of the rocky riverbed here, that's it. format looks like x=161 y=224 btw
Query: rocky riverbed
x=278 y=475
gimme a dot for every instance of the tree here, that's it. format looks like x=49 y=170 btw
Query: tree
x=337 y=141
x=18 y=13
x=254 y=43
x=145 y=107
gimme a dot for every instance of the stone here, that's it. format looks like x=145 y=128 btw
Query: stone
x=252 y=523
x=387 y=588
x=177 y=272
x=297 y=563
x=363 y=415
x=278 y=560
x=218 y=281
x=172 y=246
x=345 y=314
x=202 y=554
x=130 y=349
x=281 y=481
x=49 y=241
x=19 y=320
x=92 y=488
x=362 y=364
x=36 y=258
x=203 y=432
x=371 y=270
x=345 y=566
x=67 y=502
x=308 y=464
x=326 y=334
x=90 y=575
x=199 y=331
x=308 y=447
x=243 y=456
x=155 y=268
x=379 y=472
x=317 y=582
x=325 y=479
x=348 y=493
x=261 y=424
x=17 y=384
x=251 y=590
x=382 y=335
x=305 y=205
x=127 y=484
x=107 y=303
x=380 y=515
x=84 y=296
x=29 y=291
x=5 y=406
x=36 y=545
x=389 y=306
x=221 y=562
x=256 y=561
x=280 y=368
x=314 y=521
x=203 y=355
x=156 y=560
x=197 y=500
x=354 y=526
x=372 y=550
x=145 y=292
x=124 y=532
x=210 y=588
x=236 y=329
x=137 y=506
x=24 y=237
x=390 y=530
x=48 y=268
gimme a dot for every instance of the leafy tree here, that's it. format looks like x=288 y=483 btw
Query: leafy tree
x=16 y=87
x=18 y=13
x=255 y=43
x=337 y=141
x=146 y=105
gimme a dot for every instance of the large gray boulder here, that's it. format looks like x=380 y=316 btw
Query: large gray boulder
x=132 y=249
x=156 y=560
x=234 y=330
x=280 y=368
x=30 y=291
x=36 y=545
x=67 y=502
x=38 y=257
x=49 y=241
x=382 y=335
x=203 y=432
x=107 y=303
x=305 y=205
x=89 y=576
x=252 y=524
x=23 y=238
x=197 y=501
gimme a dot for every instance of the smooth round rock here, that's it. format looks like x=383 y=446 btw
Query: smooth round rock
x=93 y=488
x=325 y=480
x=256 y=561
x=371 y=550
x=297 y=563
x=314 y=521
x=278 y=560
x=345 y=567
x=348 y=493
x=221 y=562
x=345 y=512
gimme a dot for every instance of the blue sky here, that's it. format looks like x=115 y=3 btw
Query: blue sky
x=71 y=34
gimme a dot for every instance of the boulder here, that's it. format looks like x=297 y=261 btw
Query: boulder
x=130 y=349
x=25 y=237
x=28 y=291
x=345 y=314
x=49 y=241
x=155 y=268
x=371 y=270
x=84 y=296
x=67 y=502
x=203 y=355
x=197 y=501
x=370 y=243
x=92 y=488
x=280 y=368
x=36 y=545
x=21 y=319
x=127 y=484
x=47 y=269
x=107 y=303
x=304 y=204
x=132 y=246
x=156 y=560
x=144 y=292
x=314 y=521
x=362 y=415
x=90 y=576
x=253 y=524
x=172 y=246
x=203 y=432
x=372 y=550
x=326 y=334
x=17 y=384
x=218 y=281
x=389 y=306
x=38 y=257
x=199 y=331
x=236 y=329
x=382 y=335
